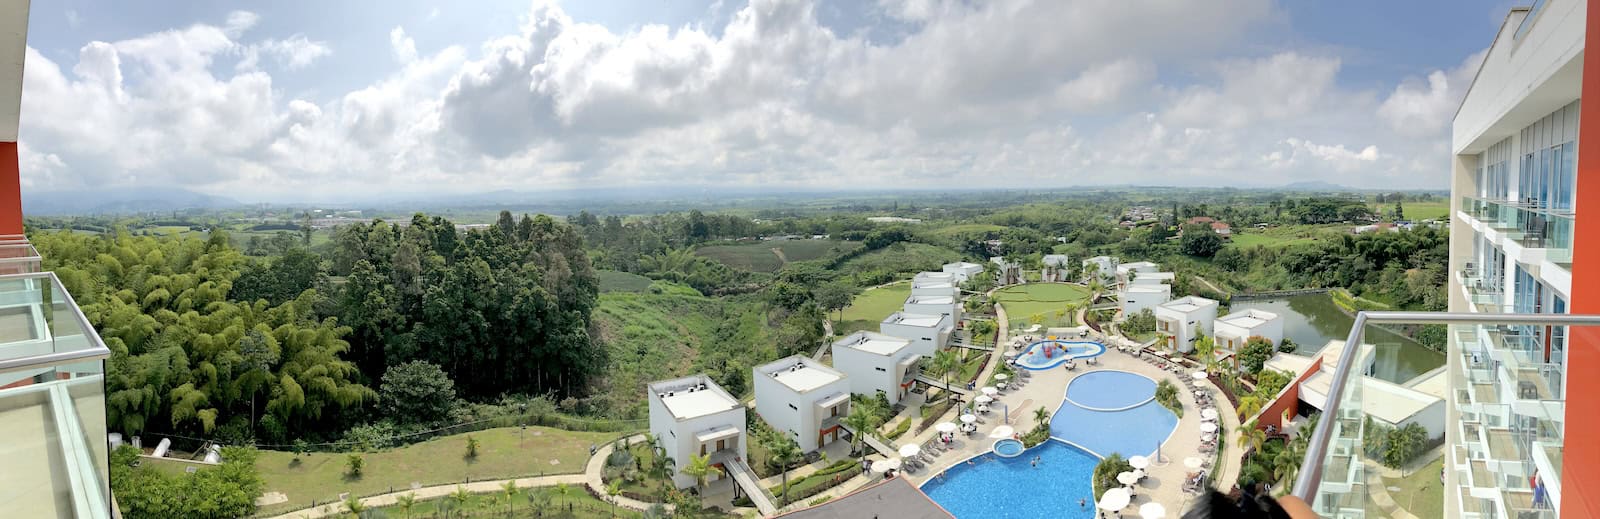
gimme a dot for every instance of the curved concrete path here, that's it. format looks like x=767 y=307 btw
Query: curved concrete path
x=592 y=477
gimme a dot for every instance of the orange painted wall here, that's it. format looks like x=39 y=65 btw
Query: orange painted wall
x=1289 y=398
x=10 y=190
x=1580 y=471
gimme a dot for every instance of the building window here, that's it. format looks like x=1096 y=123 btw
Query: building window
x=881 y=369
x=791 y=406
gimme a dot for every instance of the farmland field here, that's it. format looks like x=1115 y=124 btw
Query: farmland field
x=1281 y=236
x=769 y=256
x=615 y=281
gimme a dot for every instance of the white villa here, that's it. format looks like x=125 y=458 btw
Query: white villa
x=804 y=398
x=1055 y=267
x=963 y=270
x=1138 y=268
x=693 y=416
x=1234 y=329
x=1010 y=271
x=934 y=305
x=927 y=333
x=1136 y=298
x=1178 y=320
x=1419 y=401
x=934 y=287
x=1152 y=278
x=874 y=363
x=1106 y=266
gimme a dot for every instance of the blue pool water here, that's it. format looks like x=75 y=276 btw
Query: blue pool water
x=1131 y=431
x=1012 y=487
x=1008 y=448
x=1034 y=357
x=1110 y=390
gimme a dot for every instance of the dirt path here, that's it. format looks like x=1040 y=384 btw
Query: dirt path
x=1210 y=285
x=779 y=253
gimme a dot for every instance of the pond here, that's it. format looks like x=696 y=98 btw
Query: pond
x=1311 y=320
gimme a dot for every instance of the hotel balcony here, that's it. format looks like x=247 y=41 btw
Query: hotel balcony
x=1485 y=296
x=1528 y=234
x=17 y=257
x=1503 y=420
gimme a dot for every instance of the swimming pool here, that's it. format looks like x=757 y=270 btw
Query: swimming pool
x=993 y=486
x=1039 y=355
x=1110 y=390
x=1131 y=431
x=1007 y=448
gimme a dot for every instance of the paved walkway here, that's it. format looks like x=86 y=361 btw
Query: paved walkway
x=746 y=479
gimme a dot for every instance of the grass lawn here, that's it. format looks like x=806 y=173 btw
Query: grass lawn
x=616 y=281
x=575 y=504
x=1281 y=236
x=1417 y=211
x=1420 y=493
x=321 y=476
x=769 y=256
x=1022 y=302
x=969 y=366
x=870 y=308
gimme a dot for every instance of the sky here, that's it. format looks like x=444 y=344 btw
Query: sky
x=309 y=100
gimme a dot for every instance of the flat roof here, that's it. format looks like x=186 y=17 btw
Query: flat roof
x=892 y=498
x=1248 y=318
x=875 y=343
x=930 y=300
x=800 y=373
x=922 y=320
x=932 y=284
x=1147 y=288
x=963 y=264
x=1188 y=304
x=685 y=399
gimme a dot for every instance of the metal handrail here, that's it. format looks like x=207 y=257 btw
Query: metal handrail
x=97 y=349
x=1310 y=478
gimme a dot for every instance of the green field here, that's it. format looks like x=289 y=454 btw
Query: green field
x=951 y=231
x=769 y=256
x=575 y=504
x=1417 y=211
x=900 y=260
x=616 y=281
x=1419 y=492
x=1281 y=236
x=1022 y=302
x=871 y=307
x=502 y=453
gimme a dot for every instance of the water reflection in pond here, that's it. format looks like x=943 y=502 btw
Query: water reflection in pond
x=1312 y=320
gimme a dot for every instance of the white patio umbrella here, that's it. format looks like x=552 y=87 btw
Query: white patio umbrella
x=910 y=450
x=983 y=399
x=990 y=390
x=1114 y=500
x=1127 y=478
x=946 y=427
x=1002 y=376
x=1152 y=510
x=885 y=465
x=1208 y=427
x=1199 y=375
x=1208 y=437
x=1193 y=463
x=968 y=418
x=1139 y=462
x=1208 y=414
x=1004 y=431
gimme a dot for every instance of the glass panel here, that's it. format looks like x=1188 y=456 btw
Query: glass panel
x=18 y=258
x=37 y=317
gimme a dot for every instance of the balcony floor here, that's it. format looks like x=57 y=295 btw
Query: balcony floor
x=33 y=466
x=1503 y=445
x=16 y=324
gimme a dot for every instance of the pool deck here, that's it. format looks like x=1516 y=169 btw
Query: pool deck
x=1048 y=389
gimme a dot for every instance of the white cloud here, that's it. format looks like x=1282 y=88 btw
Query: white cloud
x=73 y=20
x=1015 y=92
x=1425 y=107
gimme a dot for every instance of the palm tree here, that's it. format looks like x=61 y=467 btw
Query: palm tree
x=945 y=362
x=784 y=451
x=864 y=418
x=1041 y=416
x=509 y=489
x=700 y=467
x=1249 y=405
x=354 y=507
x=460 y=497
x=406 y=503
x=1287 y=464
x=1250 y=437
x=563 y=491
x=614 y=490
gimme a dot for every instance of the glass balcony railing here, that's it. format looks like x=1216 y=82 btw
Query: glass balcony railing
x=52 y=403
x=18 y=258
x=1491 y=424
x=1531 y=227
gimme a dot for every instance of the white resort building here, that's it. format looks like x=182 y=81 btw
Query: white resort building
x=803 y=398
x=1233 y=330
x=874 y=362
x=1105 y=266
x=934 y=287
x=1138 y=297
x=1010 y=271
x=1180 y=318
x=963 y=270
x=934 y=305
x=693 y=416
x=1055 y=267
x=1136 y=268
x=927 y=333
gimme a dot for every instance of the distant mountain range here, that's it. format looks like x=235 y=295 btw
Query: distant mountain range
x=123 y=200
x=1318 y=185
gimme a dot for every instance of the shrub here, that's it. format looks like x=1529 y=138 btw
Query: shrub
x=353 y=464
x=1105 y=473
x=1287 y=346
x=472 y=447
x=1167 y=395
x=899 y=430
x=1255 y=353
